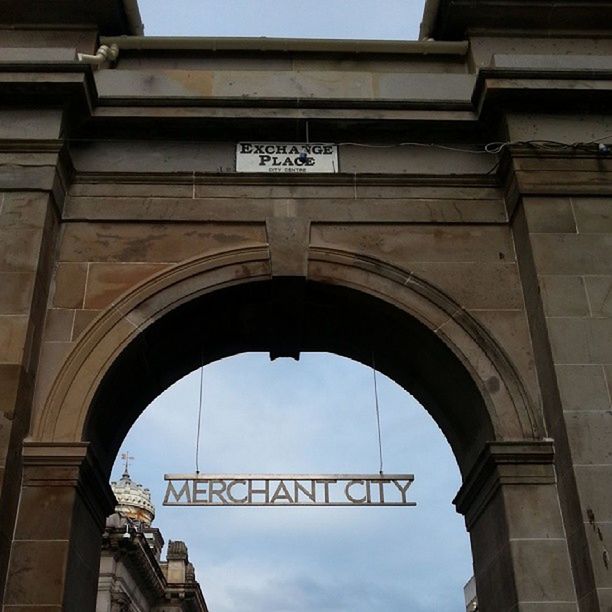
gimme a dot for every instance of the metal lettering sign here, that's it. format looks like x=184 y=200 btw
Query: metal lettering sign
x=288 y=490
x=283 y=158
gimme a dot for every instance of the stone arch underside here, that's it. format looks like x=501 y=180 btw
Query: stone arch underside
x=213 y=307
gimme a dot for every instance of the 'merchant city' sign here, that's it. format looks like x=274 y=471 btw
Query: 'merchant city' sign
x=279 y=157
x=288 y=490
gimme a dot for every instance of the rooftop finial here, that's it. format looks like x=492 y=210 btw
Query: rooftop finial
x=127 y=458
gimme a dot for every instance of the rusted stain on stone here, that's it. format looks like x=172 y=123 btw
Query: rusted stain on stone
x=199 y=82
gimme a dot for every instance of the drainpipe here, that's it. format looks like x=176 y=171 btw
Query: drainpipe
x=104 y=54
x=429 y=19
x=132 y=12
x=168 y=43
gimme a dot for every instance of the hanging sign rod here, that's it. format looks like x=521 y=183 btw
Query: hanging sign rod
x=287 y=490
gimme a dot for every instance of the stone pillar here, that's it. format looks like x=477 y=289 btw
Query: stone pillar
x=55 y=553
x=512 y=512
x=31 y=191
x=563 y=233
x=178 y=560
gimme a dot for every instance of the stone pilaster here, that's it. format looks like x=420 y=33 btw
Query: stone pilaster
x=511 y=507
x=562 y=230
x=56 y=547
x=32 y=185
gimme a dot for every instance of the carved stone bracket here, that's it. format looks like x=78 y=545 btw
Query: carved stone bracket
x=504 y=463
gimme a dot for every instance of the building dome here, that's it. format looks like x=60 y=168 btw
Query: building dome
x=134 y=501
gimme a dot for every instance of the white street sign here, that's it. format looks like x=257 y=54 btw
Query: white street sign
x=286 y=158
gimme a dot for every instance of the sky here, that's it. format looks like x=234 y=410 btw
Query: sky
x=312 y=416
x=361 y=19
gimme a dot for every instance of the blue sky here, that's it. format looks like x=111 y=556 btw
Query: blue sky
x=376 y=19
x=312 y=416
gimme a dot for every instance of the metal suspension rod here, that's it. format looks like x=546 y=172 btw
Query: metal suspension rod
x=380 y=451
x=197 y=452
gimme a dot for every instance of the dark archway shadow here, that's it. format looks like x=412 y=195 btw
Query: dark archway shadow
x=286 y=317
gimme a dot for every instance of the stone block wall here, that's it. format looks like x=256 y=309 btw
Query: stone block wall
x=571 y=239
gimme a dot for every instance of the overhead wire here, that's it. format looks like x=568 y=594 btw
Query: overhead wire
x=380 y=450
x=490 y=148
x=197 y=449
x=424 y=145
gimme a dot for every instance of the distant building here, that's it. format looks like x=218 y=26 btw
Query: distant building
x=469 y=592
x=133 y=578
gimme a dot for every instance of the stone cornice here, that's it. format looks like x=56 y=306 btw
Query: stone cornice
x=453 y=19
x=111 y=17
x=496 y=88
x=31 y=146
x=52 y=83
x=183 y=113
x=528 y=170
x=37 y=165
x=499 y=89
x=69 y=465
x=292 y=103
x=188 y=592
x=231 y=178
x=504 y=463
x=136 y=553
x=265 y=45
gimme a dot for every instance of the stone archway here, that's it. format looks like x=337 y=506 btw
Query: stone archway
x=227 y=282
x=348 y=304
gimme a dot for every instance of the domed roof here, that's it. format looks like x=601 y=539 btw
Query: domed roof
x=134 y=501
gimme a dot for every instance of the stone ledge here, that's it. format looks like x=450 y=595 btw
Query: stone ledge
x=452 y=19
x=504 y=463
x=69 y=465
x=110 y=17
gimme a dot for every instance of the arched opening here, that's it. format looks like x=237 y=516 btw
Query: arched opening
x=207 y=309
x=312 y=416
x=285 y=317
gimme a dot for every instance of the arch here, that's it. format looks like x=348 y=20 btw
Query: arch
x=490 y=402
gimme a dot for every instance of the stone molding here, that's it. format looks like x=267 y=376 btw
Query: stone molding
x=70 y=465
x=556 y=89
x=139 y=558
x=504 y=463
x=63 y=416
x=492 y=352
x=110 y=17
x=453 y=19
x=46 y=83
x=450 y=182
x=49 y=168
x=133 y=313
x=591 y=175
x=34 y=82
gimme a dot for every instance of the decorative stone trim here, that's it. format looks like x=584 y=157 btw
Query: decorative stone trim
x=504 y=463
x=139 y=558
x=530 y=425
